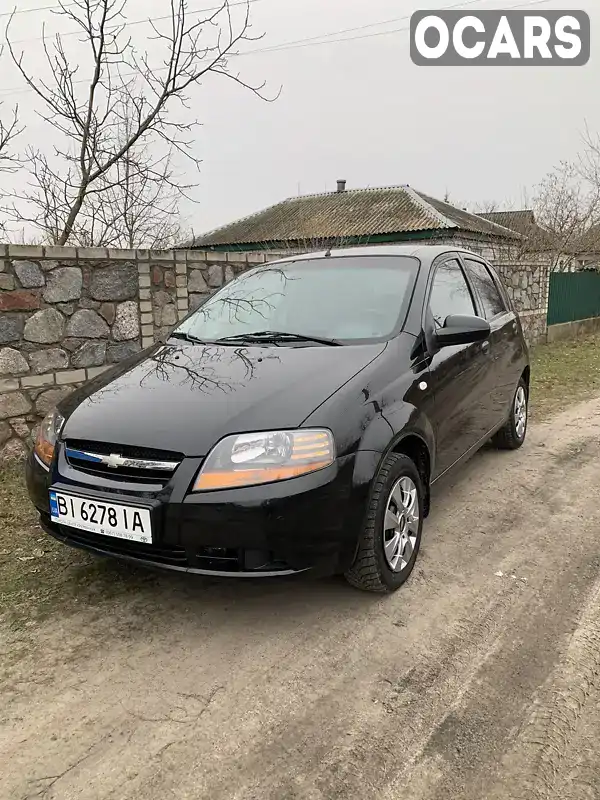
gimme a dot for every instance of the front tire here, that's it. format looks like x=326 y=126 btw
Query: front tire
x=391 y=535
x=512 y=435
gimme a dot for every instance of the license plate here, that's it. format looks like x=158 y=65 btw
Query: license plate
x=106 y=519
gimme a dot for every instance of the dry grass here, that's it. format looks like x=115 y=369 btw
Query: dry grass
x=39 y=574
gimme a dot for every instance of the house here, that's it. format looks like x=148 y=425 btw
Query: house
x=525 y=223
x=356 y=217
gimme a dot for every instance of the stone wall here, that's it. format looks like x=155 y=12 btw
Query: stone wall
x=67 y=314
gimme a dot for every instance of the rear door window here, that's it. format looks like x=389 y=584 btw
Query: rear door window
x=485 y=286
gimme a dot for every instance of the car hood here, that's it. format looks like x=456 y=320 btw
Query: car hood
x=186 y=397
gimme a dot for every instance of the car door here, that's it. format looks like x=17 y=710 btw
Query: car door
x=458 y=374
x=505 y=341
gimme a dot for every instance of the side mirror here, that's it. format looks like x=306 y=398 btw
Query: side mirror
x=460 y=329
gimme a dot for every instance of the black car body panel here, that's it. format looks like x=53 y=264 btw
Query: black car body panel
x=179 y=399
x=209 y=391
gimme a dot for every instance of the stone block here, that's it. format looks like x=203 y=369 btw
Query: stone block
x=87 y=324
x=196 y=282
x=116 y=254
x=35 y=381
x=169 y=278
x=70 y=376
x=115 y=282
x=169 y=316
x=20 y=300
x=92 y=253
x=181 y=280
x=181 y=268
x=145 y=294
x=127 y=324
x=45 y=327
x=11 y=327
x=161 y=255
x=144 y=281
x=9 y=384
x=47 y=360
x=47 y=400
x=182 y=304
x=107 y=310
x=145 y=306
x=215 y=275
x=182 y=291
x=144 y=267
x=12 y=362
x=121 y=351
x=13 y=404
x=93 y=372
x=7 y=282
x=26 y=251
x=63 y=284
x=90 y=354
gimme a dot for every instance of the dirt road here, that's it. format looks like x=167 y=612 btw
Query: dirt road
x=480 y=679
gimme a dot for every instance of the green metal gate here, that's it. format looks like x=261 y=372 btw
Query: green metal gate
x=573 y=296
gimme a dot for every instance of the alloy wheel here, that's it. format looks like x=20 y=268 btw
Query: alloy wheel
x=401 y=524
x=520 y=412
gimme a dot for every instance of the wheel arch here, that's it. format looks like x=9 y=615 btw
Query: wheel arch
x=415 y=447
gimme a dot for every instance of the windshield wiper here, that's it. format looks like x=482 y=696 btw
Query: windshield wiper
x=188 y=337
x=278 y=336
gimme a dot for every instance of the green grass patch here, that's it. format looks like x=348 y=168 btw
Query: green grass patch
x=563 y=373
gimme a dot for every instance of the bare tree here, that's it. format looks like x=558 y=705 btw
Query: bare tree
x=9 y=130
x=567 y=207
x=126 y=87
x=139 y=207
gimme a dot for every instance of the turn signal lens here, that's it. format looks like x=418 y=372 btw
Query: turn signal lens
x=254 y=458
x=47 y=436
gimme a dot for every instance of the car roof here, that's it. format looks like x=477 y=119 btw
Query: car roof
x=425 y=253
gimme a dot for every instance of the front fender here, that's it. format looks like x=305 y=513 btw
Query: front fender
x=384 y=435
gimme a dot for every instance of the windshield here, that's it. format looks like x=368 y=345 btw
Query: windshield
x=348 y=298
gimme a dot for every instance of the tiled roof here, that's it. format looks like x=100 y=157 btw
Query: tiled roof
x=525 y=223
x=348 y=214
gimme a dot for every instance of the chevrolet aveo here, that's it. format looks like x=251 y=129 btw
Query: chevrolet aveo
x=294 y=423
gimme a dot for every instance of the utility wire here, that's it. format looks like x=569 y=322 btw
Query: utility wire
x=189 y=12
x=313 y=41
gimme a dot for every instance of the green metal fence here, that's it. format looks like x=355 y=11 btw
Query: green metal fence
x=573 y=296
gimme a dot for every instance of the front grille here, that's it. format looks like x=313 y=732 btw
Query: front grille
x=121 y=473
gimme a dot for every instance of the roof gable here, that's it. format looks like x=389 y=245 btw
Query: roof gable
x=357 y=213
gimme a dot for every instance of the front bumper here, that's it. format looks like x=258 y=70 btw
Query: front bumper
x=310 y=523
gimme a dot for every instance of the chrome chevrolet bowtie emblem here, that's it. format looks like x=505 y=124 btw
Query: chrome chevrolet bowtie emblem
x=114 y=460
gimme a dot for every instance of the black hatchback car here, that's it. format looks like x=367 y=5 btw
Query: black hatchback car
x=295 y=422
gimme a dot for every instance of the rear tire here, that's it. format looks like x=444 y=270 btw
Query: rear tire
x=391 y=535
x=512 y=435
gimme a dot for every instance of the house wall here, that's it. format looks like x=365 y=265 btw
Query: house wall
x=67 y=314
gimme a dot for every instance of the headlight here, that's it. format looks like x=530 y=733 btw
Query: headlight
x=47 y=435
x=254 y=458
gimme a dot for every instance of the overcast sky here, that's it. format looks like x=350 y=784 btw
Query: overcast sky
x=358 y=109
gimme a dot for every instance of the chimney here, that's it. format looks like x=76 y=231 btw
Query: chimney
x=341 y=185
